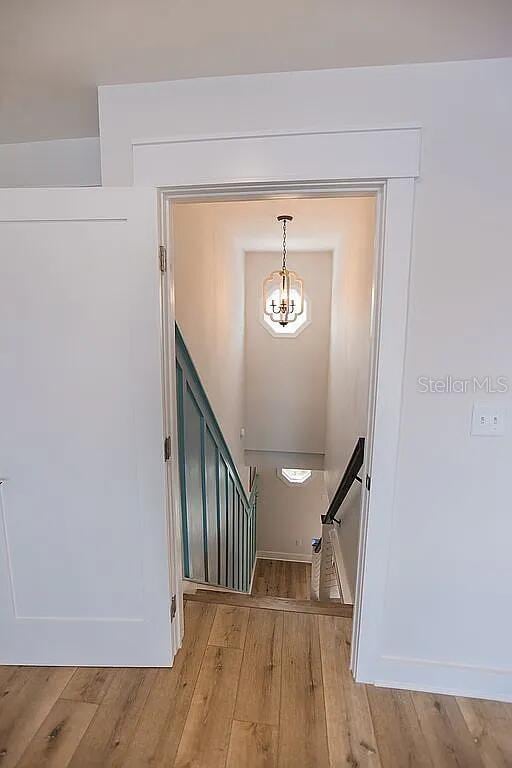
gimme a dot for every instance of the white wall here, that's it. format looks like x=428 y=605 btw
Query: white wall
x=347 y=401
x=450 y=546
x=289 y=516
x=59 y=163
x=286 y=378
x=209 y=290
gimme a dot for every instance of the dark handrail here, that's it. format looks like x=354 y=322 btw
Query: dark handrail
x=350 y=474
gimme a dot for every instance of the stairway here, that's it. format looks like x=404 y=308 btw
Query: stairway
x=278 y=585
x=218 y=515
x=289 y=605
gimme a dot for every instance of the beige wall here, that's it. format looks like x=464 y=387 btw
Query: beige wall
x=210 y=242
x=209 y=291
x=286 y=378
x=347 y=406
x=289 y=516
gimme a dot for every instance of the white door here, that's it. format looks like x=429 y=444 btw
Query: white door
x=84 y=572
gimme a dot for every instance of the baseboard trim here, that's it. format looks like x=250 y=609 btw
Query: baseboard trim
x=293 y=557
x=466 y=693
x=440 y=677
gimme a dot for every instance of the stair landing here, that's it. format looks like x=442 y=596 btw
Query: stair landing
x=325 y=608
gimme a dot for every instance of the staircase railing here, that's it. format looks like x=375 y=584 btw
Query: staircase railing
x=324 y=573
x=351 y=473
x=218 y=517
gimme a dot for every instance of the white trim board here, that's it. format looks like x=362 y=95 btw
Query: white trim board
x=293 y=557
x=452 y=679
x=391 y=281
x=347 y=155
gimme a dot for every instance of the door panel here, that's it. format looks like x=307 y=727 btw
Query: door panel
x=84 y=575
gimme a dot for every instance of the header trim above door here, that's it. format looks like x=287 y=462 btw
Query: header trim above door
x=291 y=157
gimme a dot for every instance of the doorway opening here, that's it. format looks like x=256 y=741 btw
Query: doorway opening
x=279 y=404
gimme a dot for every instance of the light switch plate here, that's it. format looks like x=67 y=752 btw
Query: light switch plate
x=487 y=420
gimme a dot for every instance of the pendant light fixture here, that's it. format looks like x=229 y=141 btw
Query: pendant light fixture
x=283 y=292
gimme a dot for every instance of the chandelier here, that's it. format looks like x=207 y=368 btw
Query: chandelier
x=283 y=293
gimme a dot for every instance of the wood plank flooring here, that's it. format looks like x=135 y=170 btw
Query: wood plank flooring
x=278 y=585
x=237 y=599
x=262 y=681
x=251 y=688
x=282 y=578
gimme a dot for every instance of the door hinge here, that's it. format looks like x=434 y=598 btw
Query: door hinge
x=173 y=607
x=368 y=482
x=163 y=258
x=167 y=448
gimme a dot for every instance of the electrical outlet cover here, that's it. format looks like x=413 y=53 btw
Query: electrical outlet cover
x=487 y=420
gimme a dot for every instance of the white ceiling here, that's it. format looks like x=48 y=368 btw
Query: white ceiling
x=53 y=53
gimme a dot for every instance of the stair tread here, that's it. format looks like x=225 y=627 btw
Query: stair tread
x=326 y=608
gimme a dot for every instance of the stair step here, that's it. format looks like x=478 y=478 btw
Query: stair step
x=326 y=608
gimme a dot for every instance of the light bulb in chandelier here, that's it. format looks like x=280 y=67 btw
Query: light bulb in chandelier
x=283 y=290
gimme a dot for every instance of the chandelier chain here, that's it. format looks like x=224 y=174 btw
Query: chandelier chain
x=284 y=244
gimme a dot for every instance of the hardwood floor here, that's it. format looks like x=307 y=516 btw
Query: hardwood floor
x=237 y=599
x=251 y=688
x=282 y=578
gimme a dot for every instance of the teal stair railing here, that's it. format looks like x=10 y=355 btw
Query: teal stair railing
x=218 y=517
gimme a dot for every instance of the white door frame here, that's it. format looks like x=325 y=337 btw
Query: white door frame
x=235 y=165
x=389 y=320
x=168 y=314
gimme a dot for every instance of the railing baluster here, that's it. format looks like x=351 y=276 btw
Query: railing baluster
x=202 y=466
x=181 y=468
x=230 y=537
x=217 y=509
